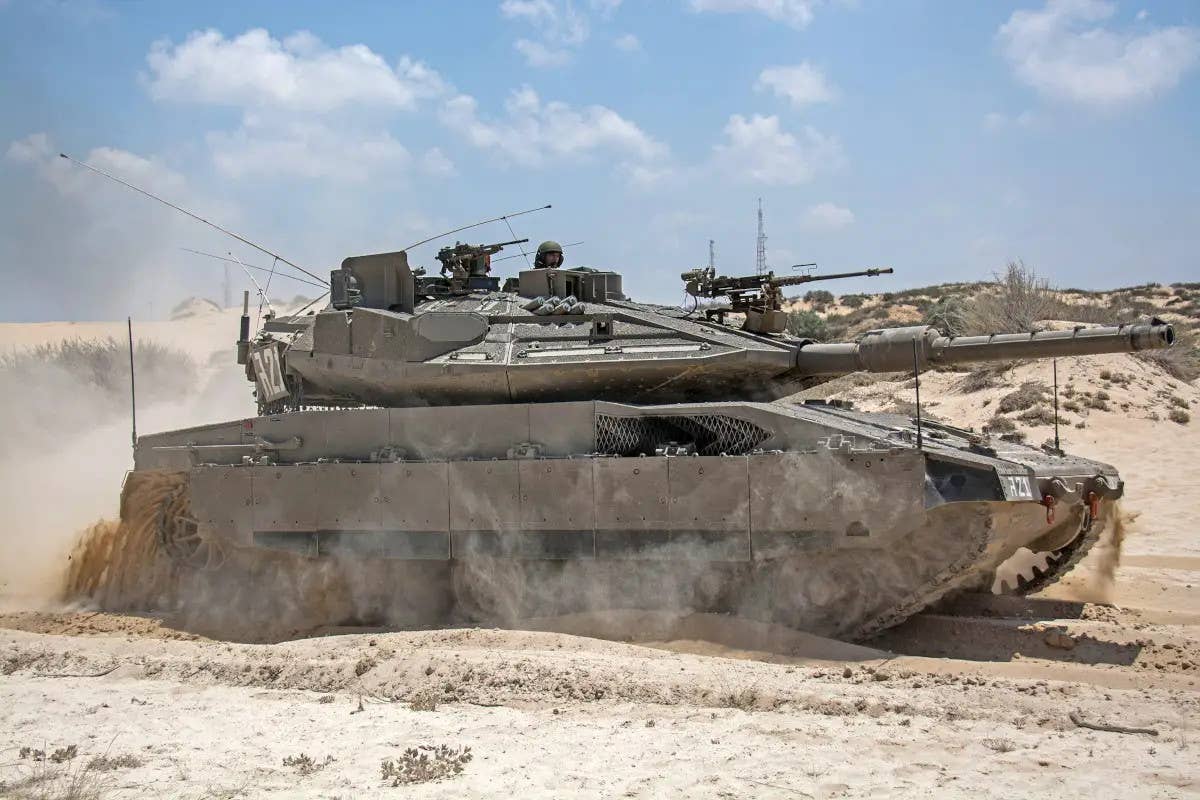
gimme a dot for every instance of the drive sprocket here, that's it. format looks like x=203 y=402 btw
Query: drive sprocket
x=181 y=536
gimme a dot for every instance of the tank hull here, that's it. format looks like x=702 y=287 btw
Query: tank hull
x=819 y=517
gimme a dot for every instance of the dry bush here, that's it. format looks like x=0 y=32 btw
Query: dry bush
x=424 y=700
x=986 y=375
x=305 y=765
x=104 y=364
x=745 y=699
x=1182 y=360
x=1017 y=300
x=108 y=763
x=1040 y=414
x=425 y=763
x=1179 y=415
x=1028 y=395
x=999 y=424
x=48 y=780
x=999 y=745
x=949 y=315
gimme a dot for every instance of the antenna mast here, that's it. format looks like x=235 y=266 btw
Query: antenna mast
x=760 y=261
x=712 y=255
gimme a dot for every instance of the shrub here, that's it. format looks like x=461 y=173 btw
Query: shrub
x=1016 y=300
x=999 y=424
x=304 y=764
x=1179 y=415
x=853 y=300
x=807 y=325
x=110 y=763
x=423 y=763
x=818 y=296
x=949 y=315
x=986 y=375
x=1040 y=414
x=1181 y=361
x=1026 y=396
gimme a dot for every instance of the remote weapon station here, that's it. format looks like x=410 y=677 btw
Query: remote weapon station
x=548 y=445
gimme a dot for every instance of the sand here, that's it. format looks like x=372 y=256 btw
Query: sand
x=975 y=699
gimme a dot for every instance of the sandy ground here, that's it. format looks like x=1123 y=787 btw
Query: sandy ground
x=986 y=697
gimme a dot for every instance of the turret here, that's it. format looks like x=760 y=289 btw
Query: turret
x=922 y=347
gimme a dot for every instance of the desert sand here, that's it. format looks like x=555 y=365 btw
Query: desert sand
x=984 y=697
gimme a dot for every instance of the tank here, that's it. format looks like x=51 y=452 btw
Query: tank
x=546 y=445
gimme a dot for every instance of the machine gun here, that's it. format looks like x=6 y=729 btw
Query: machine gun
x=468 y=265
x=759 y=297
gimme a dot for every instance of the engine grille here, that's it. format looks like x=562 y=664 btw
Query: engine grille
x=712 y=434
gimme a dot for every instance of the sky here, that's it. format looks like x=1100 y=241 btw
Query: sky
x=943 y=139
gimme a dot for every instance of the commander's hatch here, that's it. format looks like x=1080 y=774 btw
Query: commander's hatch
x=585 y=285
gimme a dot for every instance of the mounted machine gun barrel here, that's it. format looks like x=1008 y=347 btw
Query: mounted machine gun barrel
x=759 y=297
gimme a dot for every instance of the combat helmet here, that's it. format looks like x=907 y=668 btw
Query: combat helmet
x=545 y=247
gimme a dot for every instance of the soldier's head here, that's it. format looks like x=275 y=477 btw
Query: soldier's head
x=549 y=254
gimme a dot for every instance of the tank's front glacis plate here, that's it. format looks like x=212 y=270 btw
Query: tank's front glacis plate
x=843 y=499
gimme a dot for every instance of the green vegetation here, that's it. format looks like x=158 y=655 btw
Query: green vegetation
x=807 y=325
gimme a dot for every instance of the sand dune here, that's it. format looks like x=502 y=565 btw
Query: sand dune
x=982 y=698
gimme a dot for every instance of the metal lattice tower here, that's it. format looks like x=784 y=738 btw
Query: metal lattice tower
x=760 y=262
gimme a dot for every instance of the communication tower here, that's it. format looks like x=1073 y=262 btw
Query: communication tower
x=760 y=262
x=712 y=254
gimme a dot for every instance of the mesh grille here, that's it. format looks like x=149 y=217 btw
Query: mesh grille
x=712 y=434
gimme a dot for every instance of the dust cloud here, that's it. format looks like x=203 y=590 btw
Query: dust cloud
x=64 y=421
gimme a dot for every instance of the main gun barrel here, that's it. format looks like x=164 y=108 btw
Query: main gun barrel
x=893 y=349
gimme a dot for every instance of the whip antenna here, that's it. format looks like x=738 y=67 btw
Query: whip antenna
x=244 y=265
x=196 y=217
x=504 y=217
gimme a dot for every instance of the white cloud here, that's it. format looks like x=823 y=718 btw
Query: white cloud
x=628 y=43
x=605 y=8
x=559 y=29
x=648 y=176
x=797 y=13
x=1061 y=52
x=996 y=121
x=255 y=70
x=538 y=54
x=533 y=10
x=437 y=163
x=534 y=132
x=122 y=251
x=758 y=150
x=306 y=149
x=802 y=84
x=827 y=217
x=38 y=151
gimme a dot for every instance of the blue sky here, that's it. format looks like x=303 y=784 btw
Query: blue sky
x=940 y=138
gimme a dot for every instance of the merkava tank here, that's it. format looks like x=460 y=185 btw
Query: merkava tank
x=545 y=445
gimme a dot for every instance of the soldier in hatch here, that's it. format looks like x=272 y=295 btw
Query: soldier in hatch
x=549 y=256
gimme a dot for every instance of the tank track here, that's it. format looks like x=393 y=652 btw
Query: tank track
x=1066 y=558
x=847 y=593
